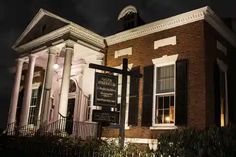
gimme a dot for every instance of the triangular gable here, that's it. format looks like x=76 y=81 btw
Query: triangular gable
x=43 y=23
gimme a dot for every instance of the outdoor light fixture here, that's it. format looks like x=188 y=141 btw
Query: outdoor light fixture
x=56 y=65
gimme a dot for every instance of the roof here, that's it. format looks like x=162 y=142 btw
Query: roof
x=71 y=27
x=204 y=13
x=89 y=37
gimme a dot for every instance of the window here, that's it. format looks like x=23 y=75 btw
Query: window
x=33 y=107
x=164 y=108
x=72 y=87
x=221 y=95
x=223 y=114
x=164 y=92
x=88 y=108
x=119 y=97
x=127 y=96
x=119 y=94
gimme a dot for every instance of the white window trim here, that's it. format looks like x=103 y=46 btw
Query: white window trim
x=160 y=62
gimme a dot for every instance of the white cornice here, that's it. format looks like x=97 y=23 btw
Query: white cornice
x=156 y=26
x=34 y=21
x=219 y=25
x=43 y=39
x=204 y=13
x=79 y=33
x=76 y=30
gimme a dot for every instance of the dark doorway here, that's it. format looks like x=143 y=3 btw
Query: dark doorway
x=70 y=115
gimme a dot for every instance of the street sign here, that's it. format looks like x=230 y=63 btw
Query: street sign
x=106 y=90
x=105 y=116
x=108 y=96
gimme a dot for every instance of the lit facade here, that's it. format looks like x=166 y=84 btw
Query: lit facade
x=186 y=62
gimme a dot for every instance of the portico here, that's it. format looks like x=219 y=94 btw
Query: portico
x=59 y=90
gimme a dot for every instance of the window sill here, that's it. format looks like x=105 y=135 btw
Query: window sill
x=172 y=127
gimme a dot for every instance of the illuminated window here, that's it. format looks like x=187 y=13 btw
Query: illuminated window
x=164 y=95
x=223 y=113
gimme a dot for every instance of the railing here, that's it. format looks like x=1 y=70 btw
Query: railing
x=84 y=100
x=63 y=127
x=26 y=130
x=10 y=130
x=84 y=130
x=55 y=128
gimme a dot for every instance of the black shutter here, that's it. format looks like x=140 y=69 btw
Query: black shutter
x=133 y=98
x=181 y=92
x=217 y=94
x=147 y=95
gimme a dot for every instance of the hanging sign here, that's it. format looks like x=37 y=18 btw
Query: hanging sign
x=106 y=90
x=105 y=116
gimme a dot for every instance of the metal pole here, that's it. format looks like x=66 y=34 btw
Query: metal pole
x=123 y=103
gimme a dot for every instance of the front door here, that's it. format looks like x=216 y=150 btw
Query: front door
x=69 y=117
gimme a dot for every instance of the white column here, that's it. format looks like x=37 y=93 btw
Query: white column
x=65 y=80
x=41 y=101
x=15 y=92
x=48 y=85
x=79 y=101
x=27 y=91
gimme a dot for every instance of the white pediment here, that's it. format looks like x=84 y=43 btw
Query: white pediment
x=37 y=18
x=55 y=27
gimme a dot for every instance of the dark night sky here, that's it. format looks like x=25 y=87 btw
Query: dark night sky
x=97 y=15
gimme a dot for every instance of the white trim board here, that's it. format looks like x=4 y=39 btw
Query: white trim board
x=165 y=42
x=133 y=140
x=165 y=60
x=123 y=52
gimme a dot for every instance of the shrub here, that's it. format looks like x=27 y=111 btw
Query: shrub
x=213 y=142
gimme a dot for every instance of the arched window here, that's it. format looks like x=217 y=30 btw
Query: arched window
x=72 y=87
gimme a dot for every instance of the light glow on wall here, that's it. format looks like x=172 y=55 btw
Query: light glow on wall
x=56 y=66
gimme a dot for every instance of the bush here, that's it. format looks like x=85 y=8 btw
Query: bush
x=45 y=146
x=213 y=142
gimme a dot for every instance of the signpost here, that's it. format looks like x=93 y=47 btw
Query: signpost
x=106 y=90
x=106 y=95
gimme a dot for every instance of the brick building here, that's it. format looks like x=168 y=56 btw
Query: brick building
x=186 y=61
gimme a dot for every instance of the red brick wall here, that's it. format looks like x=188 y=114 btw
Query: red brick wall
x=190 y=45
